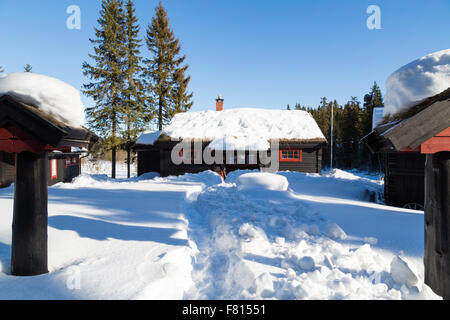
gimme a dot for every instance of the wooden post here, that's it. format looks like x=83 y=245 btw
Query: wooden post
x=29 y=230
x=437 y=223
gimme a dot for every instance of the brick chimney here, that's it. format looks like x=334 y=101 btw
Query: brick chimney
x=219 y=104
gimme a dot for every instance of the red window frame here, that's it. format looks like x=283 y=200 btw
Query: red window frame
x=290 y=155
x=53 y=169
x=194 y=154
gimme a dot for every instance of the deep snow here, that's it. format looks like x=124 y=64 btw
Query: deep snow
x=416 y=81
x=197 y=237
x=239 y=129
x=53 y=96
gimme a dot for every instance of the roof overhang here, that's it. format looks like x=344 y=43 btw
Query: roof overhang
x=410 y=133
x=43 y=127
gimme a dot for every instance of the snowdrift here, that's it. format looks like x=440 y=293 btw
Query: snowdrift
x=416 y=81
x=48 y=94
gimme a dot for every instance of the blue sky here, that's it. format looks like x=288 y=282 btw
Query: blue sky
x=254 y=53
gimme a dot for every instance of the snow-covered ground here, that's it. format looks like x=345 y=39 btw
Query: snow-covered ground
x=104 y=167
x=254 y=236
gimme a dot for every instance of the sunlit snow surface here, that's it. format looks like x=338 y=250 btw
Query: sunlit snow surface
x=52 y=96
x=196 y=237
x=416 y=81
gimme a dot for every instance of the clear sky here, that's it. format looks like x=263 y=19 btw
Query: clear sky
x=254 y=53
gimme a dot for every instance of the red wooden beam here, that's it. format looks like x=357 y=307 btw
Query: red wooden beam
x=14 y=139
x=439 y=143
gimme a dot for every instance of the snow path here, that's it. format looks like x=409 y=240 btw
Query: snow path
x=196 y=237
x=264 y=244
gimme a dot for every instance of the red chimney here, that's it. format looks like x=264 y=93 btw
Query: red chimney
x=219 y=104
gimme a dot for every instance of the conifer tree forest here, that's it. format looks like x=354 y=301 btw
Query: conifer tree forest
x=351 y=122
x=135 y=91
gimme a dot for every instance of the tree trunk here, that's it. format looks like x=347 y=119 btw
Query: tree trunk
x=30 y=217
x=128 y=147
x=113 y=162
x=128 y=162
x=160 y=117
x=437 y=223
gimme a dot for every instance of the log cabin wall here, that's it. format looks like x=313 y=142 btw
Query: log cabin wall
x=7 y=169
x=311 y=161
x=404 y=179
x=65 y=170
x=158 y=159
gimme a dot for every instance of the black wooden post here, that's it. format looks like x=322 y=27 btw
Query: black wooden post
x=437 y=223
x=29 y=230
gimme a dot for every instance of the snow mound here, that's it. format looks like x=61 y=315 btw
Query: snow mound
x=416 y=81
x=341 y=174
x=148 y=137
x=48 y=94
x=262 y=180
x=335 y=232
x=402 y=272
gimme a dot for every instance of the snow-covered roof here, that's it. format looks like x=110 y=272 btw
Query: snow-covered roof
x=242 y=129
x=52 y=96
x=148 y=137
x=416 y=81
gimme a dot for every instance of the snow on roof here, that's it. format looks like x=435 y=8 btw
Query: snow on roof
x=243 y=129
x=416 y=81
x=52 y=96
x=148 y=137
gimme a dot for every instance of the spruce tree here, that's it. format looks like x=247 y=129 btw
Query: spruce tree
x=107 y=76
x=371 y=100
x=181 y=100
x=134 y=111
x=28 y=68
x=161 y=68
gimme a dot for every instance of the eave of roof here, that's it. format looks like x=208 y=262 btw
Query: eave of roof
x=431 y=118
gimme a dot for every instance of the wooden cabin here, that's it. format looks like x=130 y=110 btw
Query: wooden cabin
x=404 y=164
x=63 y=167
x=425 y=130
x=64 y=162
x=298 y=138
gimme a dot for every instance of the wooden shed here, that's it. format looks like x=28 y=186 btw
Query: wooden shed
x=64 y=162
x=404 y=164
x=239 y=135
x=32 y=135
x=424 y=131
x=63 y=167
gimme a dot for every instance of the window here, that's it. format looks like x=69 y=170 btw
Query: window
x=68 y=162
x=290 y=155
x=191 y=156
x=54 y=169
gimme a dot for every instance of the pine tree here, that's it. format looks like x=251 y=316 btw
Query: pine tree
x=351 y=133
x=288 y=107
x=1 y=69
x=107 y=76
x=135 y=113
x=371 y=100
x=181 y=100
x=161 y=68
x=28 y=68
